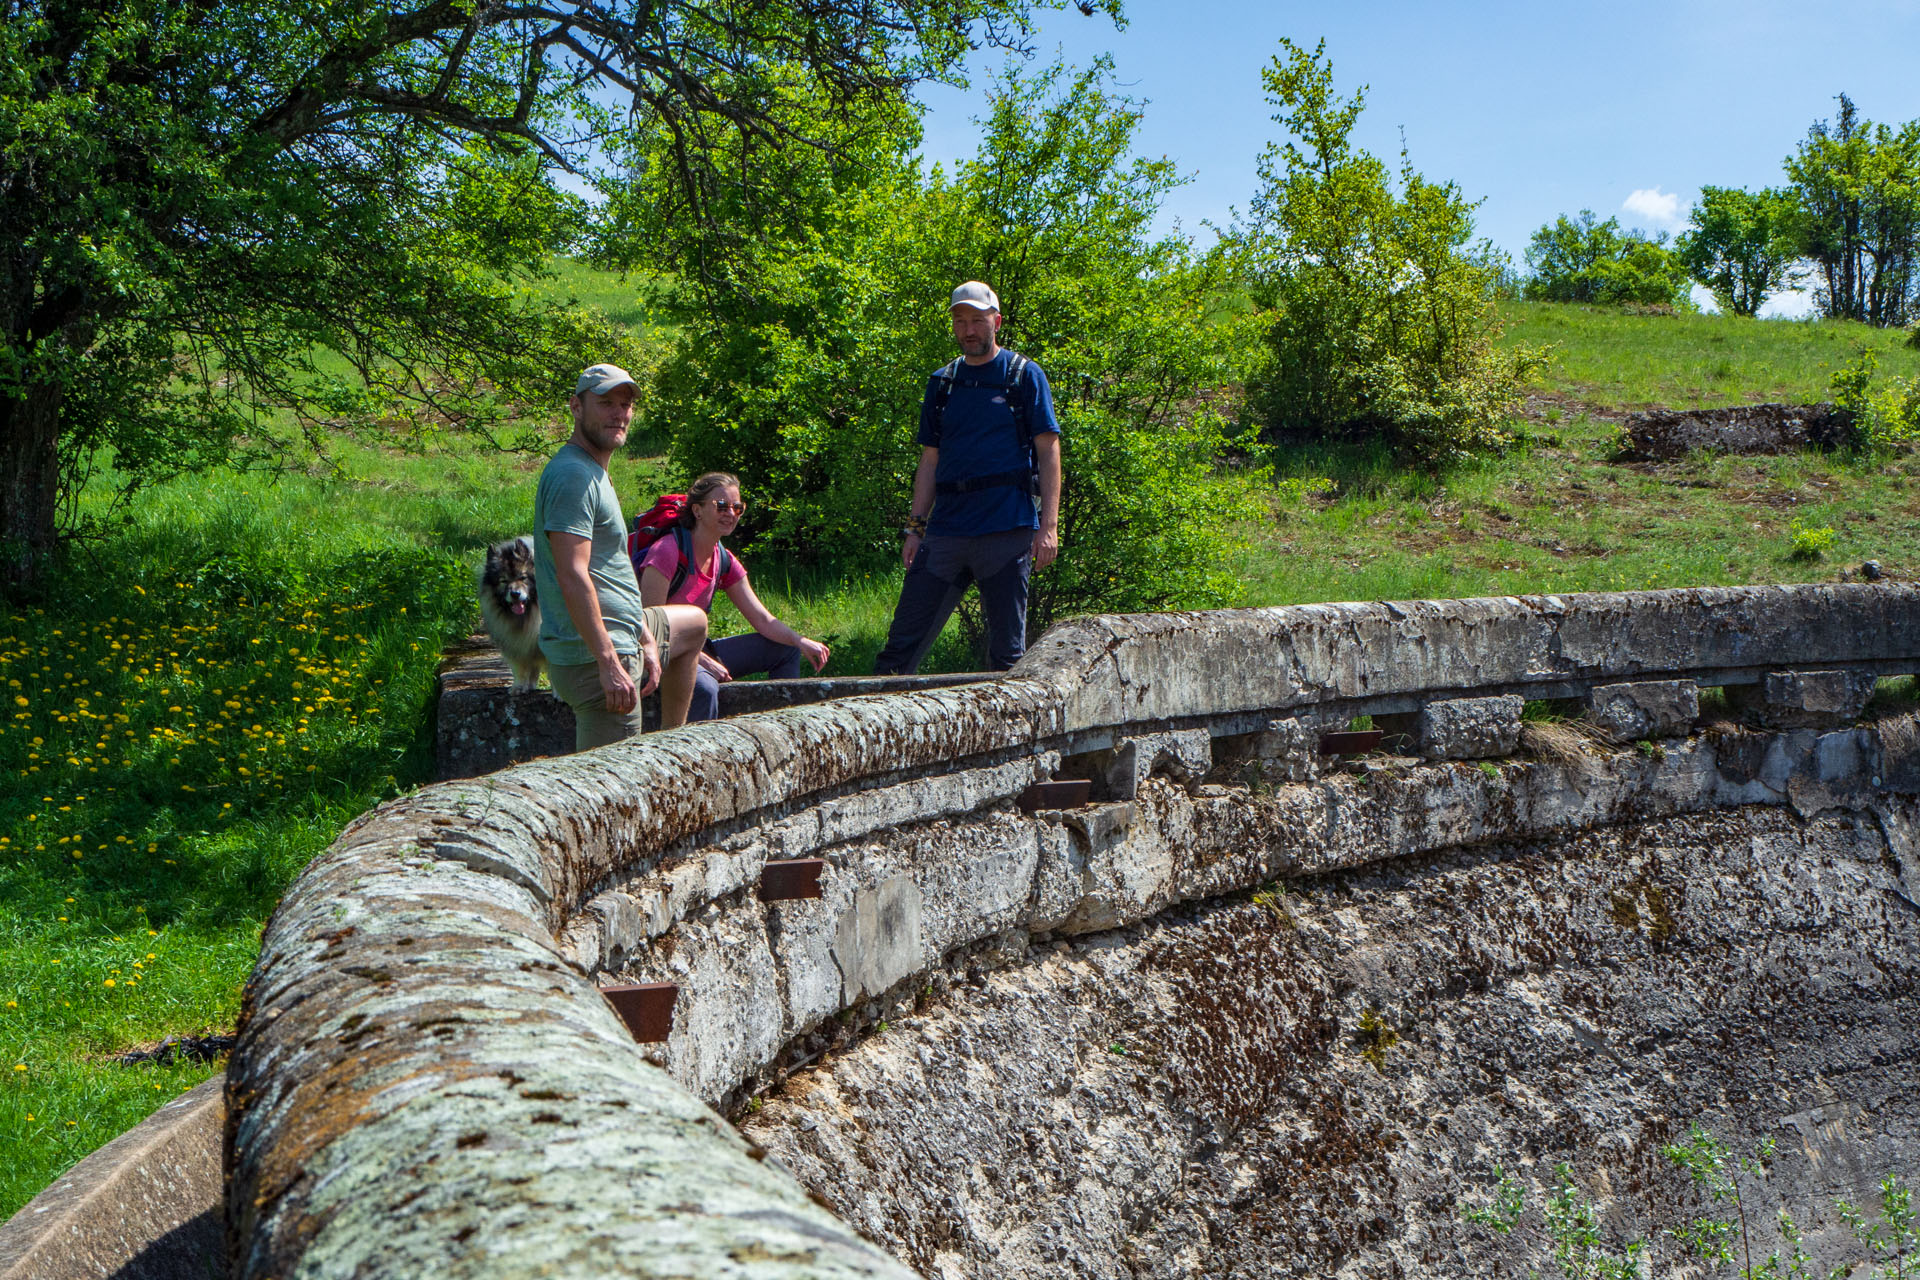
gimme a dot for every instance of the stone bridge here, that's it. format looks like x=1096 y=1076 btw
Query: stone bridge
x=1126 y=963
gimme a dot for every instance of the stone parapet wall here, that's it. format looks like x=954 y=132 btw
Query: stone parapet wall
x=427 y=1080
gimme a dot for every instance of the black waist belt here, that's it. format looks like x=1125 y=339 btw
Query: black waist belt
x=1005 y=480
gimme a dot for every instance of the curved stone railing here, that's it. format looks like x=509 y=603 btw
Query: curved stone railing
x=427 y=1080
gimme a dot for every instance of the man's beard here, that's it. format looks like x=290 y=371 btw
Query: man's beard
x=973 y=346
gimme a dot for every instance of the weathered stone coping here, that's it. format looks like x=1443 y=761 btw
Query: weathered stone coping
x=426 y=1080
x=482 y=725
x=147 y=1206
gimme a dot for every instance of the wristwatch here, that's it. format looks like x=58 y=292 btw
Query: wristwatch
x=915 y=527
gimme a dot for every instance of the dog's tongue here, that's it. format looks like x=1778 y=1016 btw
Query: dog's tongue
x=519 y=607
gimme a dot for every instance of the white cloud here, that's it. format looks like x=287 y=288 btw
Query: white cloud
x=1658 y=207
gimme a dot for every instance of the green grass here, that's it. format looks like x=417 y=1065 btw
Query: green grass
x=1608 y=358
x=624 y=300
x=1561 y=516
x=211 y=695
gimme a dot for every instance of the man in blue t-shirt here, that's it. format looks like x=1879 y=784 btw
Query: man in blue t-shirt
x=989 y=446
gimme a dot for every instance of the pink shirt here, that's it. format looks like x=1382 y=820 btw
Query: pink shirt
x=664 y=558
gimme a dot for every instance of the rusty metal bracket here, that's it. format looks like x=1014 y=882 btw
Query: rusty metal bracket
x=791 y=879
x=646 y=1008
x=1350 y=743
x=1066 y=793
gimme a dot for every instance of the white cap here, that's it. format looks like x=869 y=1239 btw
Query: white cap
x=602 y=378
x=976 y=295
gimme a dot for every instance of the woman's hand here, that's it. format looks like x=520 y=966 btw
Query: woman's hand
x=815 y=652
x=714 y=667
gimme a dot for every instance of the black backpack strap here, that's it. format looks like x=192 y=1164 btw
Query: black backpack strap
x=942 y=392
x=1016 y=371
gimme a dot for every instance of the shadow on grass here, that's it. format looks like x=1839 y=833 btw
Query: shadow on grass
x=1371 y=468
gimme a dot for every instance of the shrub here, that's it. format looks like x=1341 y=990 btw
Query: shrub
x=1886 y=417
x=1809 y=542
x=1585 y=260
x=811 y=316
x=1377 y=310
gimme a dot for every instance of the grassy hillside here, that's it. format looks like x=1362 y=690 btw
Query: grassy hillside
x=1607 y=357
x=248 y=664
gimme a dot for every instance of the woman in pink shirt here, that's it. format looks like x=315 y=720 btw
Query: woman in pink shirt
x=713 y=510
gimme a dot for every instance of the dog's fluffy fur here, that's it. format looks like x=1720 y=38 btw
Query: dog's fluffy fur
x=510 y=607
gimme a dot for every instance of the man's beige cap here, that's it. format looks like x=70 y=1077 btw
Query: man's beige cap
x=602 y=378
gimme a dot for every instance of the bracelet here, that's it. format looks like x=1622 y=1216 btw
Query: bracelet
x=915 y=527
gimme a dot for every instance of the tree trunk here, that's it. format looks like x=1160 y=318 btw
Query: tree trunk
x=29 y=483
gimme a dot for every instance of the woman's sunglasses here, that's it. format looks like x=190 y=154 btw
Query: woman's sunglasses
x=738 y=508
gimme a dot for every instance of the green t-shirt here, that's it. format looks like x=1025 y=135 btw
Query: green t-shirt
x=576 y=496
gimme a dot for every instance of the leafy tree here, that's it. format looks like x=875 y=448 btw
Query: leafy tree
x=1378 y=305
x=1582 y=259
x=810 y=316
x=1743 y=246
x=226 y=219
x=1858 y=186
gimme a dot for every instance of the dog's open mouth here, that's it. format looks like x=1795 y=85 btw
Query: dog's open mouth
x=517 y=608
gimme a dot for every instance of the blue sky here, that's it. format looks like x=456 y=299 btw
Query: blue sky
x=1540 y=109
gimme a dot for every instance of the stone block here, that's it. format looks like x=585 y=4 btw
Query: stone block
x=1803 y=699
x=1285 y=751
x=1182 y=754
x=1644 y=709
x=878 y=940
x=1458 y=728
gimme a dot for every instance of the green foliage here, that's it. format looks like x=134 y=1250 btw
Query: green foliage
x=1378 y=1038
x=1892 y=1244
x=1742 y=245
x=1810 y=541
x=1717 y=1170
x=229 y=220
x=1377 y=307
x=811 y=315
x=1577 y=1243
x=1858 y=188
x=1582 y=259
x=1893 y=1247
x=1502 y=1212
x=1883 y=417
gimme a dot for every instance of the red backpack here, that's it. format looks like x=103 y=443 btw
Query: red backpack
x=657 y=522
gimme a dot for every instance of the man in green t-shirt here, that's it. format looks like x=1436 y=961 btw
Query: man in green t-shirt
x=604 y=651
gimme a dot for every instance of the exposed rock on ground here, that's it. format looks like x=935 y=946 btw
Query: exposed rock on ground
x=1309 y=1082
x=1746 y=428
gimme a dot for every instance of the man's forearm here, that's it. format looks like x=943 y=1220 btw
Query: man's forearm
x=1048 y=458
x=923 y=484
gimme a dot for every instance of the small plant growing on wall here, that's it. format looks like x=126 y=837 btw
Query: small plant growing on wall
x=1377 y=1038
x=1726 y=1235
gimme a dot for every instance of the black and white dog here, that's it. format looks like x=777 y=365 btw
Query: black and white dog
x=510 y=607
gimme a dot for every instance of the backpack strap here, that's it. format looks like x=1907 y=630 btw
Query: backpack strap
x=1022 y=425
x=683 y=540
x=1016 y=373
x=942 y=392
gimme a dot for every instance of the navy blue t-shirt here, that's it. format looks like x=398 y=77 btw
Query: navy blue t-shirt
x=979 y=437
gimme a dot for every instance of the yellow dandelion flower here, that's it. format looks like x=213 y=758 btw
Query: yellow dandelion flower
x=109 y=982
